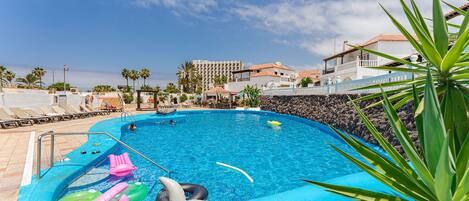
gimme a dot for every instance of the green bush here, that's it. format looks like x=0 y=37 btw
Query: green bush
x=59 y=86
x=103 y=88
x=183 y=98
x=128 y=98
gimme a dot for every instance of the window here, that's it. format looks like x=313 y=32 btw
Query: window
x=258 y=71
x=281 y=73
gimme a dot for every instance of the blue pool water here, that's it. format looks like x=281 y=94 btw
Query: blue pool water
x=276 y=158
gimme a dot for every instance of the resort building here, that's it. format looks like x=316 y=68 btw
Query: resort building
x=352 y=63
x=208 y=70
x=261 y=76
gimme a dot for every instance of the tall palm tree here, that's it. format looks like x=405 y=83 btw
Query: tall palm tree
x=39 y=72
x=145 y=73
x=186 y=75
x=9 y=76
x=126 y=75
x=134 y=75
x=29 y=81
x=2 y=71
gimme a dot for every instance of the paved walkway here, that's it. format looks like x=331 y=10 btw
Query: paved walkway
x=14 y=147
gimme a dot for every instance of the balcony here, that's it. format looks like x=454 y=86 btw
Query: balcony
x=351 y=65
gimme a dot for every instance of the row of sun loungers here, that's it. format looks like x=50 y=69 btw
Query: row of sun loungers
x=45 y=114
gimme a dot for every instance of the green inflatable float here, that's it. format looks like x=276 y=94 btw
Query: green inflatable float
x=88 y=195
x=135 y=192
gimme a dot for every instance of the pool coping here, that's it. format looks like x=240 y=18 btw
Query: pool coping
x=54 y=180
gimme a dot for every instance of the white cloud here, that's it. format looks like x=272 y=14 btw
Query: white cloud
x=317 y=23
x=193 y=7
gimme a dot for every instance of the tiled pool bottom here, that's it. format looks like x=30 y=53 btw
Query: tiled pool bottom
x=276 y=158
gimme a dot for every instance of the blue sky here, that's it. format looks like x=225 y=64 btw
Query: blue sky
x=96 y=38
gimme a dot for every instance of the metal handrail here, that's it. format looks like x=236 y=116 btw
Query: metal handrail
x=52 y=134
x=126 y=114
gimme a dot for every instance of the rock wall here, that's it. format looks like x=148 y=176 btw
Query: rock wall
x=337 y=112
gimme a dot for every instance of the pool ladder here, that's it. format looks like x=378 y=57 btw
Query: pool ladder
x=126 y=115
x=52 y=135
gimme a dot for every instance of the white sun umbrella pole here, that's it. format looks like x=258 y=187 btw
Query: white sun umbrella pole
x=237 y=169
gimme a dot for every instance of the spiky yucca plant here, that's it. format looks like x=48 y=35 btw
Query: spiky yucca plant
x=440 y=173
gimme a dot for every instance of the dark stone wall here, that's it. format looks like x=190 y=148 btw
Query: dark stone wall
x=337 y=112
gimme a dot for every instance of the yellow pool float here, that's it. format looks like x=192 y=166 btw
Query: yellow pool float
x=274 y=123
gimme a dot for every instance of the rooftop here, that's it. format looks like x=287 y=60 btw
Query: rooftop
x=381 y=37
x=265 y=73
x=277 y=65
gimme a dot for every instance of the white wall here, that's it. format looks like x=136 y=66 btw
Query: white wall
x=26 y=98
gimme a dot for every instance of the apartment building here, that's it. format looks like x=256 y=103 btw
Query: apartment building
x=352 y=63
x=208 y=70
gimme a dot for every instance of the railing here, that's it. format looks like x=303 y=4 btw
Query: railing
x=351 y=64
x=341 y=88
x=52 y=135
x=127 y=114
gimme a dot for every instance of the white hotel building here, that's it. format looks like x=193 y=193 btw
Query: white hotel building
x=208 y=70
x=351 y=63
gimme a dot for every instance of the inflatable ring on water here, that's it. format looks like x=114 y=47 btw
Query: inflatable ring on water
x=135 y=192
x=274 y=123
x=88 y=195
x=197 y=192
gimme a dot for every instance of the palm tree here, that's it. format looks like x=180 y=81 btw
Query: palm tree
x=29 y=81
x=145 y=73
x=2 y=71
x=220 y=80
x=186 y=77
x=39 y=72
x=126 y=75
x=9 y=76
x=134 y=75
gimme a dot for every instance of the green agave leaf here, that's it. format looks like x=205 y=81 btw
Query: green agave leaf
x=458 y=10
x=389 y=180
x=403 y=101
x=406 y=142
x=462 y=64
x=400 y=69
x=420 y=17
x=406 y=176
x=390 y=84
x=462 y=190
x=444 y=173
x=406 y=34
x=356 y=193
x=454 y=115
x=433 y=126
x=455 y=52
x=440 y=29
x=418 y=118
x=460 y=76
x=387 y=56
x=462 y=161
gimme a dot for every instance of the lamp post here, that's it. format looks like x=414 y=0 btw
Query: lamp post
x=65 y=70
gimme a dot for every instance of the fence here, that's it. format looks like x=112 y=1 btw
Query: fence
x=340 y=88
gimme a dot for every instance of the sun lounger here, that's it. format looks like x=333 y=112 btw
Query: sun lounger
x=5 y=116
x=49 y=112
x=103 y=112
x=6 y=121
x=76 y=109
x=89 y=111
x=69 y=110
x=61 y=111
x=24 y=115
x=36 y=114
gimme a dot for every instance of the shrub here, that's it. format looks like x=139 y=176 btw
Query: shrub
x=183 y=98
x=128 y=98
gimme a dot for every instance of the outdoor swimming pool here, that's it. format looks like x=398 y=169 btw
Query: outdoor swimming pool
x=276 y=158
